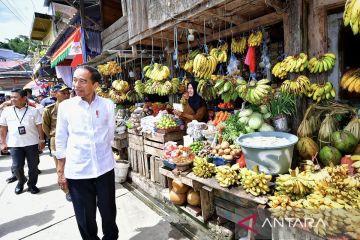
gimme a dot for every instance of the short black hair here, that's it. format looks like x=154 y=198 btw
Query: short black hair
x=28 y=90
x=21 y=92
x=95 y=75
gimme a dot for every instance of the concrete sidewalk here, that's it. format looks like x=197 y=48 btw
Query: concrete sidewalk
x=47 y=215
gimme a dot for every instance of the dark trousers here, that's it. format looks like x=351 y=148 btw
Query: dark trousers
x=85 y=195
x=18 y=154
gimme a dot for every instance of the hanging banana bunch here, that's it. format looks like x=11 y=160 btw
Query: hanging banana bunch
x=204 y=65
x=255 y=39
x=238 y=46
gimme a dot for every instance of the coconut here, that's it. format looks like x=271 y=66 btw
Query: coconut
x=344 y=141
x=307 y=148
x=330 y=155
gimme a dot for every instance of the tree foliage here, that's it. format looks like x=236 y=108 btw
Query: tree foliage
x=21 y=44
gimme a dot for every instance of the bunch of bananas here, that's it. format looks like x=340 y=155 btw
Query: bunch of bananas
x=165 y=89
x=202 y=168
x=356 y=165
x=320 y=92
x=351 y=81
x=295 y=64
x=322 y=64
x=295 y=184
x=204 y=65
x=255 y=39
x=298 y=86
x=175 y=83
x=228 y=176
x=183 y=85
x=352 y=15
x=219 y=54
x=253 y=92
x=188 y=65
x=102 y=91
x=120 y=85
x=224 y=47
x=133 y=96
x=109 y=69
x=206 y=89
x=226 y=88
x=279 y=70
x=156 y=71
x=238 y=46
x=254 y=182
x=116 y=96
x=139 y=87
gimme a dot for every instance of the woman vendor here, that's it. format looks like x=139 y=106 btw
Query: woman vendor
x=195 y=107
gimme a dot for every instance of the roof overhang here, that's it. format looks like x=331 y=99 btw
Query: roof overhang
x=41 y=26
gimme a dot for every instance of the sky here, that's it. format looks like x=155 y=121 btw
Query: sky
x=19 y=20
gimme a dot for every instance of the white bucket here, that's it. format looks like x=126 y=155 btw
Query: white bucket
x=121 y=171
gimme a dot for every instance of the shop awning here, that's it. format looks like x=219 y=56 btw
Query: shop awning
x=71 y=47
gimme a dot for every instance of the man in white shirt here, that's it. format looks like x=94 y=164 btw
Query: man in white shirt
x=84 y=131
x=22 y=132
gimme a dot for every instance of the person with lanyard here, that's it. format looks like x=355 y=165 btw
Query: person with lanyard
x=195 y=107
x=62 y=92
x=85 y=128
x=21 y=131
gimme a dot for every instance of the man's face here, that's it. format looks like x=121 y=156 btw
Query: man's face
x=62 y=95
x=17 y=100
x=83 y=84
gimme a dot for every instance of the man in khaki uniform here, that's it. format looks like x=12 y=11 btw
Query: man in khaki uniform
x=61 y=93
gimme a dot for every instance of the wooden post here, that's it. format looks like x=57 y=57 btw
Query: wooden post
x=82 y=13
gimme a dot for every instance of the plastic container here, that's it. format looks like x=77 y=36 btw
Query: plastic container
x=169 y=164
x=219 y=161
x=121 y=171
x=271 y=159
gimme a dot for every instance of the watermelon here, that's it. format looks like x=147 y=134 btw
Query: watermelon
x=344 y=141
x=330 y=155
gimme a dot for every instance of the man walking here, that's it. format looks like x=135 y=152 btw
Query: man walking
x=61 y=92
x=22 y=132
x=84 y=131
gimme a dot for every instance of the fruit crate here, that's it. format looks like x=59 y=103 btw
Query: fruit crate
x=168 y=130
x=206 y=209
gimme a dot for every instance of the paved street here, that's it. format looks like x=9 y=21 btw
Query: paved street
x=47 y=215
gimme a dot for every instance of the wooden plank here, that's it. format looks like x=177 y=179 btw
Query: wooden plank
x=207 y=204
x=193 y=211
x=138 y=147
x=183 y=179
x=135 y=138
x=137 y=162
x=191 y=25
x=116 y=25
x=117 y=33
x=153 y=151
x=154 y=144
x=121 y=42
x=266 y=20
x=317 y=23
x=146 y=161
x=330 y=4
x=238 y=194
x=152 y=168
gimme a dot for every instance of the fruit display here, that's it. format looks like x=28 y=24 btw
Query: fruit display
x=298 y=86
x=139 y=87
x=226 y=105
x=189 y=63
x=116 y=96
x=352 y=14
x=226 y=88
x=220 y=117
x=254 y=182
x=182 y=155
x=254 y=92
x=204 y=65
x=206 y=151
x=322 y=64
x=196 y=146
x=295 y=64
x=344 y=141
x=102 y=91
x=109 y=69
x=175 y=84
x=188 y=66
x=202 y=168
x=120 y=85
x=238 y=46
x=228 y=176
x=160 y=88
x=321 y=92
x=351 y=81
x=206 y=89
x=156 y=72
x=166 y=121
x=255 y=39
x=219 y=54
x=227 y=151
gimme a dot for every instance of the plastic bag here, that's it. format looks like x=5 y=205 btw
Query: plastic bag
x=233 y=65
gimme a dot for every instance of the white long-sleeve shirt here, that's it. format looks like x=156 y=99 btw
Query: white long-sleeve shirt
x=84 y=133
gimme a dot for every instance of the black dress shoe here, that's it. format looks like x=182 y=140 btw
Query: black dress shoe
x=33 y=190
x=11 y=179
x=19 y=188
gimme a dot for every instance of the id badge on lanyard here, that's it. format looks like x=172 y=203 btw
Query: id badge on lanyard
x=21 y=128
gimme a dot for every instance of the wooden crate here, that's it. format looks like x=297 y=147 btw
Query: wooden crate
x=206 y=211
x=163 y=138
x=155 y=176
x=137 y=161
x=120 y=141
x=136 y=141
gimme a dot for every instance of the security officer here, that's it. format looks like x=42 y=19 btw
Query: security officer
x=61 y=93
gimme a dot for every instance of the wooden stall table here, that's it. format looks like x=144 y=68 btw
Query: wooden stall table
x=154 y=144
